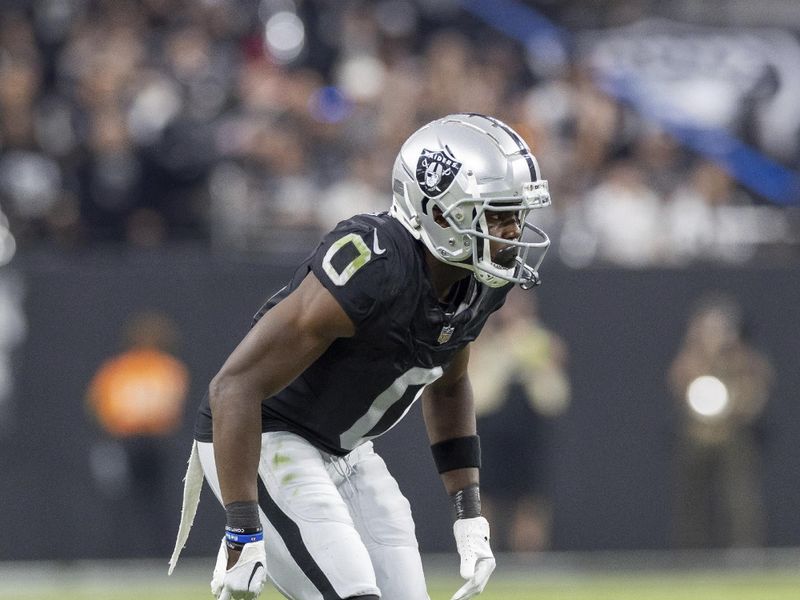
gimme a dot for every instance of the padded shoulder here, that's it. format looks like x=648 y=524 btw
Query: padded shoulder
x=359 y=263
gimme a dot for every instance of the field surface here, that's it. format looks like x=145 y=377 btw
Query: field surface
x=537 y=584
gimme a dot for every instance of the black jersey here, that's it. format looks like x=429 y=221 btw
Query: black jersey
x=405 y=337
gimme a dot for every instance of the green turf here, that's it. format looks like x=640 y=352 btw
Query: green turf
x=770 y=585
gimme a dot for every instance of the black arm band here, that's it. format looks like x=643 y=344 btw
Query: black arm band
x=457 y=453
x=242 y=516
x=467 y=502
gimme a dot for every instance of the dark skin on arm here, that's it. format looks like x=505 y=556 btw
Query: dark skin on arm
x=281 y=345
x=449 y=412
x=447 y=403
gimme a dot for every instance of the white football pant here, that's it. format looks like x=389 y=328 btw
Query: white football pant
x=333 y=527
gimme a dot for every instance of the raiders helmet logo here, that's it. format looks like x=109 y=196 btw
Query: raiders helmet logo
x=436 y=170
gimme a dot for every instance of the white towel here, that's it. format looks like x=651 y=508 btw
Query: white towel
x=192 y=484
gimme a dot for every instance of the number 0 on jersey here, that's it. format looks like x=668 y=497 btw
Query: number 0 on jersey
x=362 y=258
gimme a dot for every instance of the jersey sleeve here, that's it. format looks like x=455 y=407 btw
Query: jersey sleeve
x=355 y=270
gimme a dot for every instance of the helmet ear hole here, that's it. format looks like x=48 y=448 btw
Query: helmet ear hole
x=438 y=217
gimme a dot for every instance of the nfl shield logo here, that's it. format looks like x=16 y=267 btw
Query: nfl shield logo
x=436 y=171
x=445 y=334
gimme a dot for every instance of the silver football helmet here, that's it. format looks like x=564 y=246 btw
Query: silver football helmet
x=468 y=165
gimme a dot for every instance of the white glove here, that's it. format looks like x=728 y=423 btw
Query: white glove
x=477 y=560
x=244 y=580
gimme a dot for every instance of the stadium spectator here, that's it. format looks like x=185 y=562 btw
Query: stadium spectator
x=137 y=399
x=721 y=385
x=520 y=389
x=697 y=223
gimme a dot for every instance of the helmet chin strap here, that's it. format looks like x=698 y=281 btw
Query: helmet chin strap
x=528 y=276
x=482 y=274
x=488 y=279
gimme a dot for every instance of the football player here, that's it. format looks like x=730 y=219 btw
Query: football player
x=380 y=314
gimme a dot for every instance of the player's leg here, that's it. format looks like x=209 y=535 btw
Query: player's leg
x=313 y=549
x=382 y=516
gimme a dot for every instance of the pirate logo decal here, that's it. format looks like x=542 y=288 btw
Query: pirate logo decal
x=436 y=170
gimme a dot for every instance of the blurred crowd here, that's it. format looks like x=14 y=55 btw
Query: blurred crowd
x=254 y=126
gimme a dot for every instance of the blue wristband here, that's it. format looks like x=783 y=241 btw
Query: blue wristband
x=243 y=538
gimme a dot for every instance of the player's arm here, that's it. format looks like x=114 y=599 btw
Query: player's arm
x=280 y=346
x=449 y=413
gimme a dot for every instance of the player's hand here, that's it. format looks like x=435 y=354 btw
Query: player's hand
x=477 y=560
x=245 y=579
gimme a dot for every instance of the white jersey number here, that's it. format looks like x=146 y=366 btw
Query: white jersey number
x=399 y=390
x=354 y=265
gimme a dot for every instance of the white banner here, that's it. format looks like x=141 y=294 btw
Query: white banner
x=706 y=76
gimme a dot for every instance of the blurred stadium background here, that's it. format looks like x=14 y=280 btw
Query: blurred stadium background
x=164 y=164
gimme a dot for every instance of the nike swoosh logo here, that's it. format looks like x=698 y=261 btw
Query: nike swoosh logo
x=375 y=248
x=253 y=574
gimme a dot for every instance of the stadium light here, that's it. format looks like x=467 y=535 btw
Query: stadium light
x=284 y=36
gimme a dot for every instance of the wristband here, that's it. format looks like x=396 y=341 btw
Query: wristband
x=242 y=515
x=467 y=502
x=243 y=537
x=243 y=524
x=457 y=453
